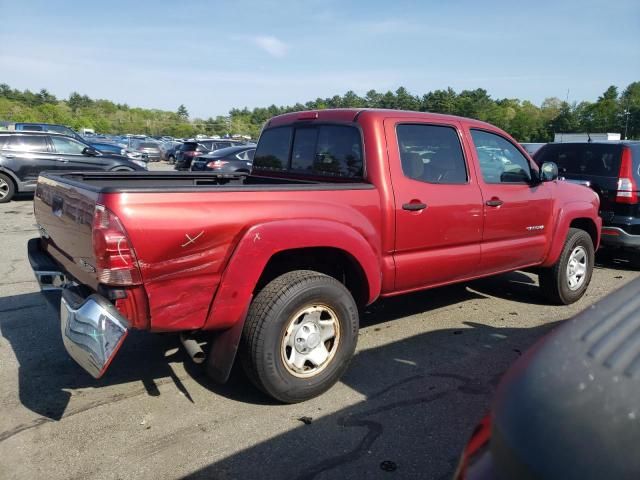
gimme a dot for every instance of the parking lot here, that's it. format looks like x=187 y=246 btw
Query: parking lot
x=423 y=375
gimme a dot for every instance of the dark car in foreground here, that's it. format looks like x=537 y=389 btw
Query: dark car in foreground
x=612 y=170
x=568 y=408
x=23 y=155
x=226 y=160
x=192 y=149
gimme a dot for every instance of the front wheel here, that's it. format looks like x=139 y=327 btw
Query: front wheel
x=566 y=281
x=300 y=334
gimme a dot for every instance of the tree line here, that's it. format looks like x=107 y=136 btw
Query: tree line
x=611 y=112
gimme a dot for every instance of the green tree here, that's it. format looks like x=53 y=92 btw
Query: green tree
x=183 y=113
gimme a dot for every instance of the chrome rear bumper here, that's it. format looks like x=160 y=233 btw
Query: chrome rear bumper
x=92 y=330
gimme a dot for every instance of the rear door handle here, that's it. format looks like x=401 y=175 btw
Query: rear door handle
x=494 y=202
x=63 y=160
x=414 y=206
x=9 y=155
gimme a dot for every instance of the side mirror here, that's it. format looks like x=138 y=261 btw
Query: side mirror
x=548 y=172
x=91 y=152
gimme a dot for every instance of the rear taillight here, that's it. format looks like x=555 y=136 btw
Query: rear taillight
x=116 y=262
x=217 y=164
x=627 y=187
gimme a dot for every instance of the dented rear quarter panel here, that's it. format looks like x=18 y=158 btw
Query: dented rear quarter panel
x=184 y=242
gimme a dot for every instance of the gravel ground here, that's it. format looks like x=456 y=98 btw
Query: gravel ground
x=423 y=375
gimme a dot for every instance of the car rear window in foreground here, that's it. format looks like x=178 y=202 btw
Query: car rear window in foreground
x=319 y=150
x=595 y=159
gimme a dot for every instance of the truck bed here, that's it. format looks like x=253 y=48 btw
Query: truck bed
x=150 y=182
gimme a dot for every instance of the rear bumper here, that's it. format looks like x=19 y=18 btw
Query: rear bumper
x=92 y=328
x=617 y=237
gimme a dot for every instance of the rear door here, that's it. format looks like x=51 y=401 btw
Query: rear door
x=517 y=209
x=28 y=155
x=69 y=154
x=438 y=204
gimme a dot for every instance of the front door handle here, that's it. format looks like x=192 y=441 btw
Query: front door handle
x=9 y=155
x=494 y=202
x=63 y=160
x=414 y=206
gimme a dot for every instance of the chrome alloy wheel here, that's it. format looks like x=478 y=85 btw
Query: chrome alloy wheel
x=310 y=341
x=4 y=188
x=577 y=268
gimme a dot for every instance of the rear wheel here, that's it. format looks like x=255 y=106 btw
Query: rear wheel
x=300 y=334
x=567 y=280
x=7 y=188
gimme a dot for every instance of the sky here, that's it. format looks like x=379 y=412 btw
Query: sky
x=212 y=56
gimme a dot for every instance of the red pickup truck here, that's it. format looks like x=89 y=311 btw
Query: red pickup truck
x=342 y=207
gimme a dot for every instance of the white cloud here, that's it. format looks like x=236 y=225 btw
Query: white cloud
x=273 y=46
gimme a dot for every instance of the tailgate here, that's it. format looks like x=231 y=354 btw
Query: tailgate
x=64 y=216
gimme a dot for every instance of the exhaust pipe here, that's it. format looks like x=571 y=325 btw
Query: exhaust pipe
x=193 y=348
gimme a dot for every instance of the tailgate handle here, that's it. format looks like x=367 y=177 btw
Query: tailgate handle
x=56 y=206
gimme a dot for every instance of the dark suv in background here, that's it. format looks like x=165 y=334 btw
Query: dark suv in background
x=23 y=155
x=611 y=169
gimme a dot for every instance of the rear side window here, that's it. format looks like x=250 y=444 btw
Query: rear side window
x=27 y=143
x=431 y=153
x=582 y=158
x=326 y=150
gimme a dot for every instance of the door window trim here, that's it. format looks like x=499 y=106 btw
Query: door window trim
x=434 y=124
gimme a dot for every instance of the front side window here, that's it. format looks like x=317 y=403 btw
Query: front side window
x=67 y=146
x=500 y=161
x=431 y=154
x=27 y=143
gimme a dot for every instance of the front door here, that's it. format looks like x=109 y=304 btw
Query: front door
x=517 y=208
x=438 y=204
x=69 y=154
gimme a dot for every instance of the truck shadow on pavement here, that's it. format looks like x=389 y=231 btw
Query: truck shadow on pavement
x=422 y=397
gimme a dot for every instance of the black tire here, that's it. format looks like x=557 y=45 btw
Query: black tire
x=554 y=280
x=7 y=188
x=273 y=313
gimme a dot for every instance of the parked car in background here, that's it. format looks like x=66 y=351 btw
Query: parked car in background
x=108 y=147
x=23 y=155
x=532 y=148
x=169 y=152
x=276 y=265
x=226 y=160
x=192 y=149
x=612 y=170
x=45 y=127
x=150 y=148
x=568 y=408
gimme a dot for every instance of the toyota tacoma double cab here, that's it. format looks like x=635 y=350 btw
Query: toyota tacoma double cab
x=342 y=207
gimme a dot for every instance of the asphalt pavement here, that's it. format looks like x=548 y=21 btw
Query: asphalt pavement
x=423 y=375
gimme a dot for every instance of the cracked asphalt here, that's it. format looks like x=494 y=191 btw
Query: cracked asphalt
x=423 y=375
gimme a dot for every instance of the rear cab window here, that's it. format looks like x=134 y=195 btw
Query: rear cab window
x=319 y=150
